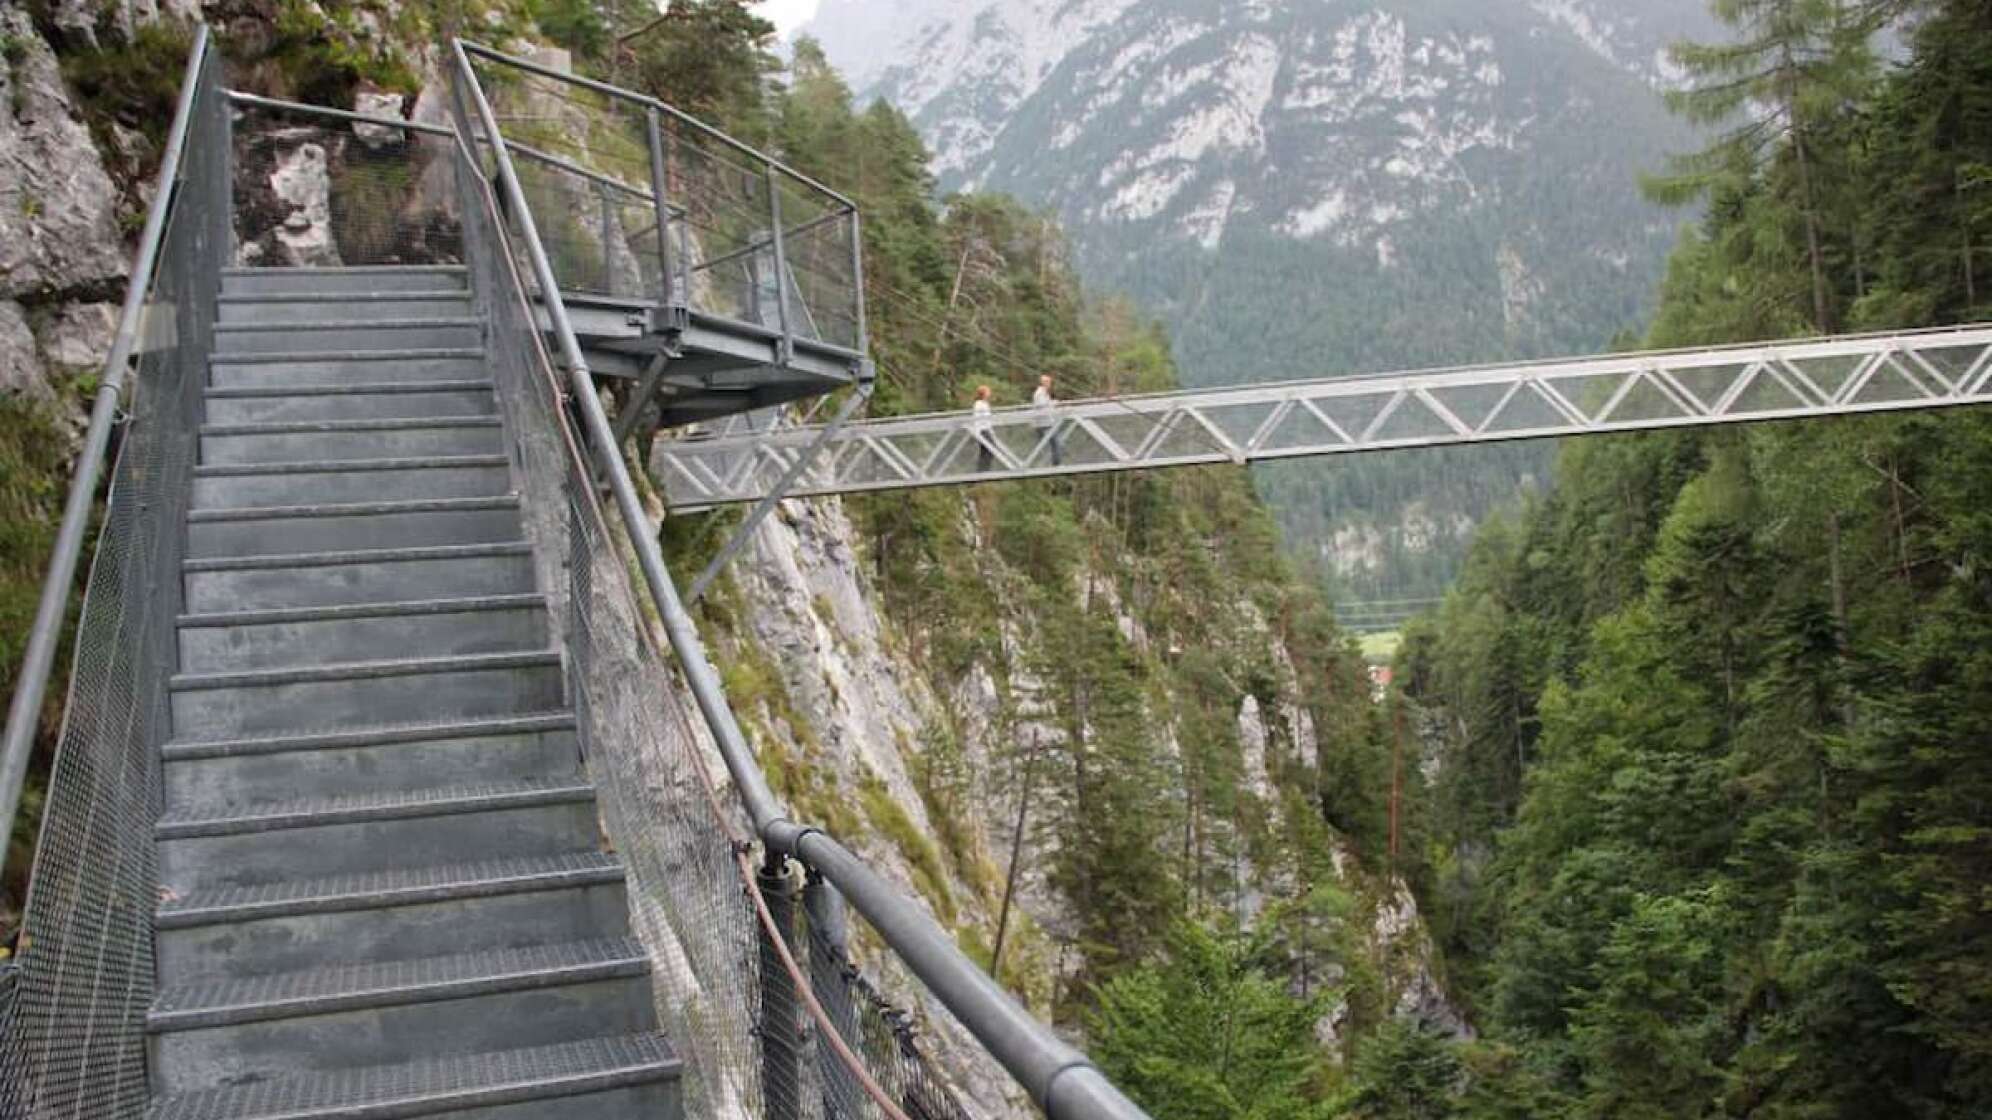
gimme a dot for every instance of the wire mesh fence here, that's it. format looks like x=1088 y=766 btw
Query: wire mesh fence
x=73 y=1001
x=745 y=1010
x=313 y=190
x=638 y=203
x=686 y=896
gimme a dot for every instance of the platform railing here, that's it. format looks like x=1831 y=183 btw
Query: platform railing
x=74 y=995
x=637 y=200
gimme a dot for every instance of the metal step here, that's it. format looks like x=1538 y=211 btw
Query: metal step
x=339 y=367
x=355 y=279
x=231 y=776
x=357 y=576
x=237 y=485
x=279 y=530
x=347 y=334
x=631 y=1077
x=284 y=637
x=321 y=836
x=397 y=914
x=352 y=695
x=304 y=441
x=358 y=401
x=352 y=307
x=209 y=1035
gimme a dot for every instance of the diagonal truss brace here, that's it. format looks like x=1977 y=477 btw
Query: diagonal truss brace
x=1524 y=400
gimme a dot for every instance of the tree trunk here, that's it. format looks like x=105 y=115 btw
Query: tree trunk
x=1822 y=315
x=1016 y=857
x=1842 y=632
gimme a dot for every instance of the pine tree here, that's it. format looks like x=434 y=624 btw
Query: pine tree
x=1793 y=67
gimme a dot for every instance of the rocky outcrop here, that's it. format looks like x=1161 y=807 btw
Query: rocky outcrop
x=21 y=372
x=858 y=706
x=58 y=207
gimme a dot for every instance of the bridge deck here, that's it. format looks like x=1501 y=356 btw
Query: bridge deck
x=1523 y=400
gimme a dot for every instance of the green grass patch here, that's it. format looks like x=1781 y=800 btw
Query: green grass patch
x=1379 y=649
x=929 y=874
x=34 y=481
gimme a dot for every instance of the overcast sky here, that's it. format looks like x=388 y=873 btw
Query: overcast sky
x=788 y=14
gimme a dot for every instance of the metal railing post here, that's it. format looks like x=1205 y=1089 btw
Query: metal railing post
x=862 y=334
x=608 y=241
x=781 y=1036
x=655 y=135
x=781 y=263
x=829 y=975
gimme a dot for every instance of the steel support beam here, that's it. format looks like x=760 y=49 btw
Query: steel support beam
x=1527 y=400
x=767 y=505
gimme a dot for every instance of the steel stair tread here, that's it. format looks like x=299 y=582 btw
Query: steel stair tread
x=365 y=670
x=345 y=297
x=355 y=325
x=356 y=389
x=342 y=269
x=350 y=509
x=273 y=615
x=438 y=1085
x=405 y=354
x=329 y=466
x=399 y=804
x=393 y=887
x=382 y=424
x=181 y=750
x=355 y=556
x=374 y=984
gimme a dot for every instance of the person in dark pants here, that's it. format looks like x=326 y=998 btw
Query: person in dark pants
x=979 y=425
x=1045 y=409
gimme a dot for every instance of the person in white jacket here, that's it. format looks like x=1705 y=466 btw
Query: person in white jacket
x=1046 y=412
x=979 y=425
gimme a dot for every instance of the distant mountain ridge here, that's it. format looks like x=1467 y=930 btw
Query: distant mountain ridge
x=1313 y=187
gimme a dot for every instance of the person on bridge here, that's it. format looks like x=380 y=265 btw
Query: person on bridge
x=1046 y=411
x=979 y=427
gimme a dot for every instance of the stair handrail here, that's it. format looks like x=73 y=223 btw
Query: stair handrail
x=1063 y=1081
x=1058 y=1077
x=45 y=635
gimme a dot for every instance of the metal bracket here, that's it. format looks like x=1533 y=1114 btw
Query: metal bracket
x=745 y=532
x=646 y=390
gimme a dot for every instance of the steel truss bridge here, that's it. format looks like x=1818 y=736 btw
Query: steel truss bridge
x=1331 y=416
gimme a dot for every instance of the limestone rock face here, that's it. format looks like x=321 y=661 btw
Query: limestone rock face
x=58 y=207
x=21 y=371
x=77 y=338
x=377 y=136
x=302 y=182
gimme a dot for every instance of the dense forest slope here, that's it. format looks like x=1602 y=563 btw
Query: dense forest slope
x=1305 y=189
x=1709 y=830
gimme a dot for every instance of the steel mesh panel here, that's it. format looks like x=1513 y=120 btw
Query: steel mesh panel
x=685 y=892
x=747 y=1053
x=880 y=1032
x=72 y=1017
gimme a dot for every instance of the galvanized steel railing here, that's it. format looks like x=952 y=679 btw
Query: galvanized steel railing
x=638 y=200
x=1053 y=1073
x=73 y=999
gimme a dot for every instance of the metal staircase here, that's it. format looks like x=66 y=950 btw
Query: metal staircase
x=383 y=890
